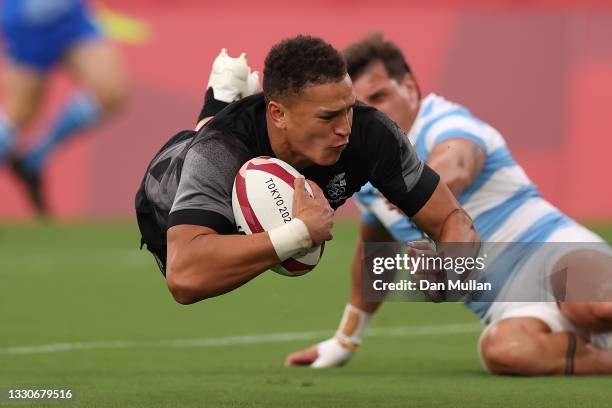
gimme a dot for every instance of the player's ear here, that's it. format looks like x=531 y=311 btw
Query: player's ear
x=414 y=94
x=276 y=111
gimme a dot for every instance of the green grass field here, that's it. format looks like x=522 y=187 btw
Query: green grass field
x=82 y=308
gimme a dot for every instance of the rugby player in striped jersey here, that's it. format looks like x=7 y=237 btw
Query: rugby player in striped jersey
x=472 y=158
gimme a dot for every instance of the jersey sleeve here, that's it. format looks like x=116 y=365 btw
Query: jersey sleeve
x=376 y=212
x=363 y=198
x=463 y=125
x=394 y=167
x=204 y=193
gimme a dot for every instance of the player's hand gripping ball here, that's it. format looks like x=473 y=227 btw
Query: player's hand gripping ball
x=262 y=199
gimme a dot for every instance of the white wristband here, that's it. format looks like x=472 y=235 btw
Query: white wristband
x=289 y=239
x=352 y=327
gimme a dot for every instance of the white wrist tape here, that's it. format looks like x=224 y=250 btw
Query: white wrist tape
x=352 y=327
x=289 y=239
x=331 y=354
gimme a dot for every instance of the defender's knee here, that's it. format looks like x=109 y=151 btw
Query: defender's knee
x=506 y=353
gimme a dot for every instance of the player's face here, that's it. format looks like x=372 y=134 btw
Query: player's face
x=399 y=101
x=319 y=121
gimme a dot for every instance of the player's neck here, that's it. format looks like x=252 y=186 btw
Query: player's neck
x=283 y=150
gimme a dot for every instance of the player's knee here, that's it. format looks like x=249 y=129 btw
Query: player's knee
x=111 y=97
x=510 y=354
x=502 y=357
x=21 y=115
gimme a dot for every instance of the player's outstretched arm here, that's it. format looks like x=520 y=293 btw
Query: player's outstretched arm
x=444 y=220
x=203 y=264
x=339 y=349
x=367 y=233
x=458 y=161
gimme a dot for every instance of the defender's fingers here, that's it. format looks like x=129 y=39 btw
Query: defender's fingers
x=302 y=357
x=421 y=244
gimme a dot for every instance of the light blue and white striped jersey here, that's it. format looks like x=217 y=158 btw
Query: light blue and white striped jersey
x=503 y=203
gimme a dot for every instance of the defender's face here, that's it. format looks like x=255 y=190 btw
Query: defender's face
x=399 y=101
x=319 y=121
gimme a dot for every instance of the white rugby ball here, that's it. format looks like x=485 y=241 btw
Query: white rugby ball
x=262 y=199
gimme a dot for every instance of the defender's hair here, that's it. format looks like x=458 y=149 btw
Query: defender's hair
x=373 y=47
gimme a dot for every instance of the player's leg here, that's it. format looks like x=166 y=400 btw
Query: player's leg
x=25 y=87
x=230 y=80
x=23 y=92
x=596 y=316
x=527 y=346
x=43 y=45
x=583 y=278
x=97 y=66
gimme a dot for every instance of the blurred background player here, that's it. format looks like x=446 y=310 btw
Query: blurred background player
x=532 y=338
x=40 y=35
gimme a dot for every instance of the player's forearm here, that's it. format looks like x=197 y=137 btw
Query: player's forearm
x=356 y=298
x=455 y=176
x=210 y=265
x=443 y=219
x=458 y=161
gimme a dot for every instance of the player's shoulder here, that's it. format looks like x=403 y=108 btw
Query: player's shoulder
x=214 y=146
x=436 y=108
x=368 y=120
x=242 y=113
x=440 y=119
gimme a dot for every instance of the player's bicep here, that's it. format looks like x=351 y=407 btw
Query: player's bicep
x=179 y=237
x=458 y=161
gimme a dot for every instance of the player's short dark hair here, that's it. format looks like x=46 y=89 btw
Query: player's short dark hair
x=373 y=47
x=300 y=61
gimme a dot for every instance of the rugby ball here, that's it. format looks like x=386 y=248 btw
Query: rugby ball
x=262 y=199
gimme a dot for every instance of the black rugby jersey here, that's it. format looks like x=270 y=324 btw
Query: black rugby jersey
x=190 y=180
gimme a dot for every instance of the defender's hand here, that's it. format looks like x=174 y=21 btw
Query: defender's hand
x=425 y=249
x=328 y=353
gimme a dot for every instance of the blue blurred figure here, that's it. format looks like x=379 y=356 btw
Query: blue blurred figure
x=40 y=35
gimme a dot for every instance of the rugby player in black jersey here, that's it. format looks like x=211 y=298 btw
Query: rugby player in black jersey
x=307 y=116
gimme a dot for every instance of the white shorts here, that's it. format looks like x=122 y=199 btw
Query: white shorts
x=531 y=282
x=546 y=311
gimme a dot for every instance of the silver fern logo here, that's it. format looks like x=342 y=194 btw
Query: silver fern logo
x=336 y=186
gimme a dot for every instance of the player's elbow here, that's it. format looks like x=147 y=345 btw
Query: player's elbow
x=458 y=182
x=184 y=286
x=181 y=290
